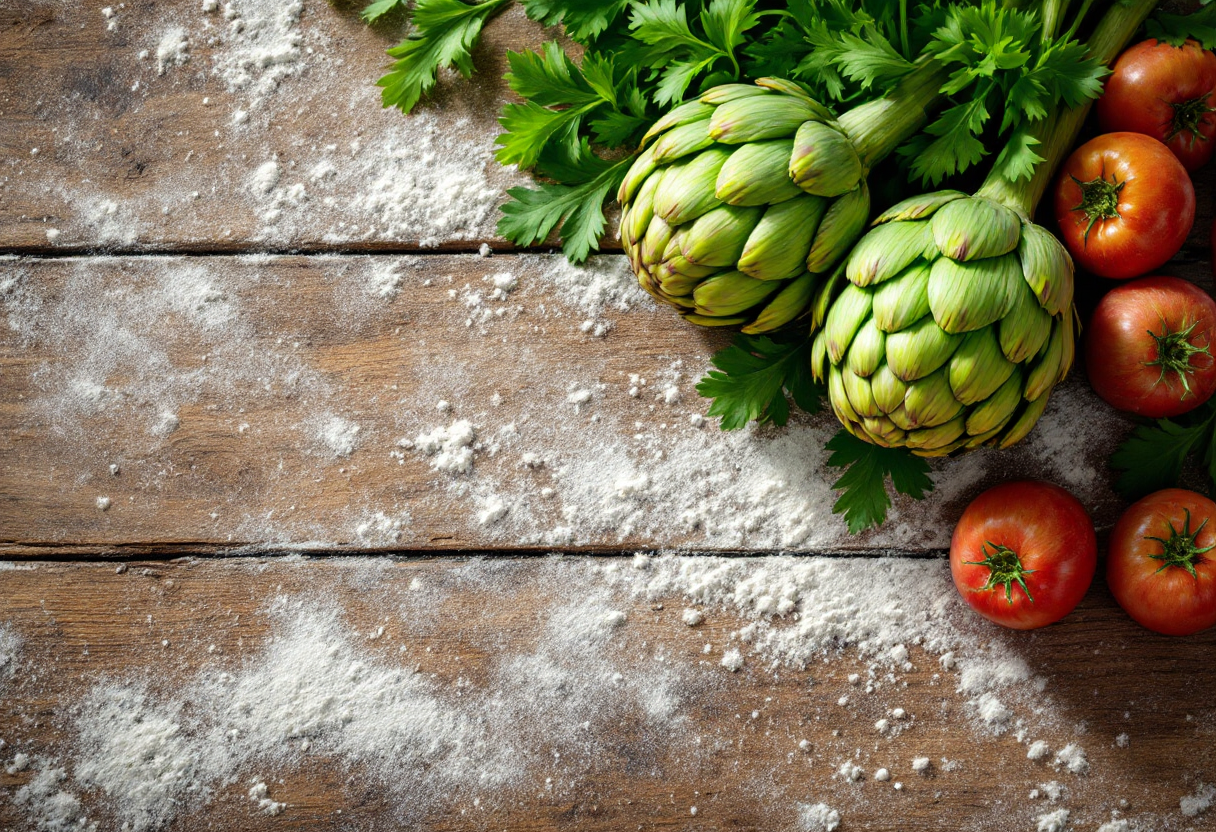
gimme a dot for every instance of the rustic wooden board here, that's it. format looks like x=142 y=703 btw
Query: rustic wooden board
x=160 y=627
x=221 y=387
x=101 y=148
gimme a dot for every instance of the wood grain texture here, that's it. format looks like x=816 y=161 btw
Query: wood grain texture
x=263 y=402
x=114 y=149
x=458 y=623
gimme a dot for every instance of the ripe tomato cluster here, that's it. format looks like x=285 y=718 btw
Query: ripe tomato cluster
x=1125 y=205
x=1025 y=553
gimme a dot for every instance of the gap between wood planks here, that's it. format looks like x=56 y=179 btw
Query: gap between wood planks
x=140 y=552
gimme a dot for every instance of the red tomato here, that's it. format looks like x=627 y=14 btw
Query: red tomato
x=1124 y=203
x=1165 y=92
x=1161 y=568
x=1147 y=347
x=1023 y=554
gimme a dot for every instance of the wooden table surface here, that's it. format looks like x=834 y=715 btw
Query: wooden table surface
x=239 y=299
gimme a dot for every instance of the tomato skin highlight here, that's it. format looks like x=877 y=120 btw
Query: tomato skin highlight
x=1145 y=205
x=1151 y=85
x=1051 y=534
x=1121 y=354
x=1169 y=601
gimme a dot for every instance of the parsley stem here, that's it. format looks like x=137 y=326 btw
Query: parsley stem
x=903 y=29
x=1053 y=12
x=1076 y=24
x=1056 y=133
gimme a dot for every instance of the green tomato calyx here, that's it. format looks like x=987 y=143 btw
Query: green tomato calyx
x=1174 y=351
x=1099 y=200
x=1179 y=549
x=1188 y=115
x=1005 y=570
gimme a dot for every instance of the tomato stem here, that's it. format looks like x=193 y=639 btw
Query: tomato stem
x=1179 y=548
x=1005 y=570
x=1188 y=115
x=1174 y=351
x=1099 y=200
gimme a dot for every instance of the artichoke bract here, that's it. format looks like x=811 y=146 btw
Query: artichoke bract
x=743 y=200
x=954 y=323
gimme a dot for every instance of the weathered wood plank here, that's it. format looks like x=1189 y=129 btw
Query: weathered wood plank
x=290 y=401
x=264 y=131
x=480 y=641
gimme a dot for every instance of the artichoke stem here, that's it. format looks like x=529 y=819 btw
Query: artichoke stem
x=878 y=127
x=1057 y=134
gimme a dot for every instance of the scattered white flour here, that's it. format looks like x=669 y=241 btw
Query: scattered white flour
x=19 y=763
x=817 y=817
x=1052 y=821
x=1072 y=757
x=173 y=50
x=50 y=807
x=1123 y=740
x=921 y=764
x=103 y=503
x=451 y=448
x=850 y=772
x=1117 y=825
x=166 y=422
x=262 y=43
x=421 y=183
x=259 y=794
x=386 y=280
x=340 y=436
x=732 y=660
x=264 y=178
x=1052 y=790
x=381 y=528
x=1198 y=803
x=692 y=617
x=134 y=751
x=1038 y=750
x=493 y=510
x=993 y=713
x=10 y=647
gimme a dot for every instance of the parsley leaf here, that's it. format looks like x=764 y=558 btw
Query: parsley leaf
x=559 y=97
x=576 y=201
x=1174 y=29
x=864 y=500
x=1018 y=158
x=752 y=378
x=677 y=54
x=583 y=19
x=998 y=56
x=444 y=34
x=1154 y=455
x=955 y=146
x=379 y=9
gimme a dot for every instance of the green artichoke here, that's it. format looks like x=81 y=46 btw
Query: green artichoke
x=751 y=194
x=952 y=319
x=953 y=322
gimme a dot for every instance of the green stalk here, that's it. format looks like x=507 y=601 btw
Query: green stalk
x=878 y=127
x=1057 y=133
x=1053 y=11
